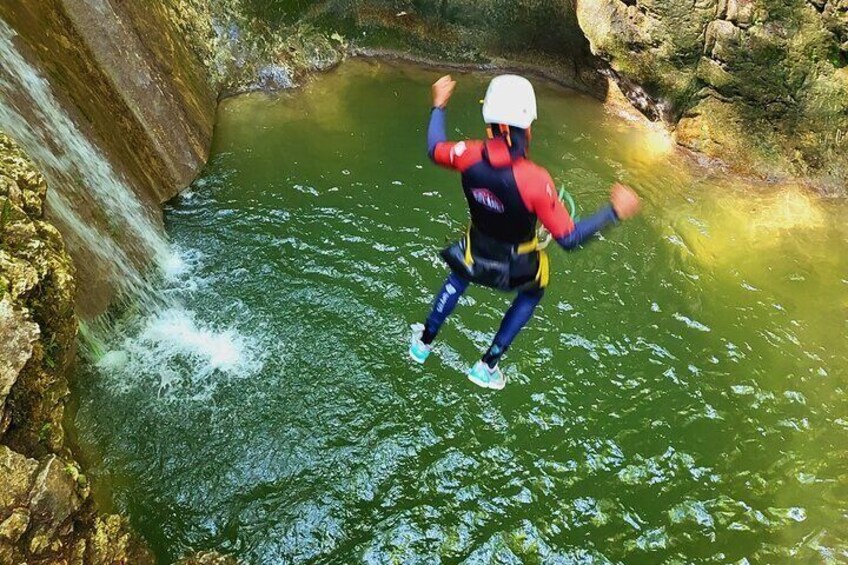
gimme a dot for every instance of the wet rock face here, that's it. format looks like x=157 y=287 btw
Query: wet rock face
x=761 y=84
x=46 y=514
x=46 y=517
x=136 y=86
x=542 y=35
x=104 y=94
x=37 y=323
x=242 y=50
x=253 y=44
x=17 y=339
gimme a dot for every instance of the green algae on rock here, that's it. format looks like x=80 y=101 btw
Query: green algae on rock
x=116 y=111
x=760 y=84
x=37 y=308
x=46 y=512
x=242 y=52
x=208 y=558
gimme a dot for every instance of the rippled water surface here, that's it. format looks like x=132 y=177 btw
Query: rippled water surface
x=680 y=396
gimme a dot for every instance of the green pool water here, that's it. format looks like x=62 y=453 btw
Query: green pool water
x=680 y=396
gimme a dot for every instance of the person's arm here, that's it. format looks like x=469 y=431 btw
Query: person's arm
x=442 y=90
x=436 y=131
x=545 y=203
x=568 y=233
x=587 y=227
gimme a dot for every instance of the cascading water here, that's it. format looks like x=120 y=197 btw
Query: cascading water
x=108 y=230
x=118 y=243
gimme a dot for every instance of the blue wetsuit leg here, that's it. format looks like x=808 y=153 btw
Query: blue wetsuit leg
x=514 y=321
x=446 y=301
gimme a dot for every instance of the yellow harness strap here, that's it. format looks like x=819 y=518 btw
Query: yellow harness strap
x=532 y=246
x=469 y=259
x=528 y=246
x=543 y=275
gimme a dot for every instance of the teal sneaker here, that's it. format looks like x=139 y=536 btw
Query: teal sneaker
x=418 y=350
x=481 y=375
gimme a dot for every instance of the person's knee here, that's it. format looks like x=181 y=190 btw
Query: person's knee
x=536 y=294
x=529 y=299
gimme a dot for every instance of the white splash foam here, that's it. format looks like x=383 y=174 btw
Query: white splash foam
x=171 y=349
x=180 y=263
x=180 y=356
x=175 y=334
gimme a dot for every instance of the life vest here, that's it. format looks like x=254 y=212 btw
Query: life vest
x=512 y=261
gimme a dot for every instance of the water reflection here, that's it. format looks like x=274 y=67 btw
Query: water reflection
x=679 y=397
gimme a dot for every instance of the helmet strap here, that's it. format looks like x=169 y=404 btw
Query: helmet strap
x=505 y=132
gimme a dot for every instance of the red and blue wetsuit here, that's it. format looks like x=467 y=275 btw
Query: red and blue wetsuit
x=507 y=196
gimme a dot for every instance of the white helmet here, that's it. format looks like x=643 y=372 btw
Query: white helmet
x=510 y=100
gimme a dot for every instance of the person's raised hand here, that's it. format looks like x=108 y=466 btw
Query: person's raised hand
x=624 y=201
x=442 y=91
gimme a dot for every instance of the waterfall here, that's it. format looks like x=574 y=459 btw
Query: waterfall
x=110 y=233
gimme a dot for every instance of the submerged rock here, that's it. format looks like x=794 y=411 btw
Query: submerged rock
x=112 y=542
x=208 y=558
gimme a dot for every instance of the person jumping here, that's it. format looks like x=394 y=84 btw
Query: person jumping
x=507 y=195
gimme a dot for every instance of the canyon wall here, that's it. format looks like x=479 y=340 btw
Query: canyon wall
x=111 y=107
x=760 y=84
x=111 y=114
x=46 y=512
x=117 y=113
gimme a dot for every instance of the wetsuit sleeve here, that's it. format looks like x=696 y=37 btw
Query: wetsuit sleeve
x=456 y=156
x=586 y=228
x=540 y=198
x=436 y=131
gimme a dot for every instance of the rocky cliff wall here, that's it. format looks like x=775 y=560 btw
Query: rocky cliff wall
x=541 y=35
x=760 y=84
x=250 y=44
x=117 y=112
x=124 y=70
x=46 y=513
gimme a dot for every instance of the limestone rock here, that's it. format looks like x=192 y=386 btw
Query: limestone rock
x=45 y=509
x=722 y=39
x=772 y=68
x=17 y=336
x=54 y=499
x=18 y=474
x=13 y=527
x=37 y=279
x=113 y=542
